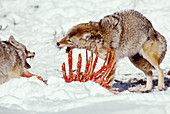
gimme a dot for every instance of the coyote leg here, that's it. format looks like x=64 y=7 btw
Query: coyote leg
x=110 y=80
x=148 y=82
x=143 y=64
x=150 y=52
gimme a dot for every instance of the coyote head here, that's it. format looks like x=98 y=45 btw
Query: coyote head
x=22 y=51
x=81 y=36
x=89 y=35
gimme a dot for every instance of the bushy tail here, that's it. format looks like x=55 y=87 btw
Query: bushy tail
x=154 y=35
x=163 y=46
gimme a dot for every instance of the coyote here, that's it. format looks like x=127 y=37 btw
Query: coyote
x=127 y=34
x=13 y=59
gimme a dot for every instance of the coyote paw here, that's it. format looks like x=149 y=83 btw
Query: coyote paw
x=146 y=90
x=161 y=87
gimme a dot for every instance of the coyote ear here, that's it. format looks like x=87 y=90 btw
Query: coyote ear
x=13 y=42
x=109 y=21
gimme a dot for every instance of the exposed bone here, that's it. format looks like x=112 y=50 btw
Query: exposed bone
x=102 y=76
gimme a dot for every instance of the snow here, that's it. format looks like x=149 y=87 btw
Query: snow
x=38 y=24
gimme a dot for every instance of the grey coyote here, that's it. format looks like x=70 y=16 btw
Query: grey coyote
x=13 y=57
x=128 y=34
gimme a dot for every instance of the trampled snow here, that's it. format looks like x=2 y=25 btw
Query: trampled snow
x=39 y=24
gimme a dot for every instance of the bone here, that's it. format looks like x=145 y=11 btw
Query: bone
x=86 y=56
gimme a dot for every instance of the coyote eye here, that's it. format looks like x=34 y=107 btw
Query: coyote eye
x=69 y=40
x=86 y=36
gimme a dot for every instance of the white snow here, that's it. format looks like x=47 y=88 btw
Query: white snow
x=38 y=24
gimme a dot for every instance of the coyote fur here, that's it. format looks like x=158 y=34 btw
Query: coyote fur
x=13 y=59
x=128 y=34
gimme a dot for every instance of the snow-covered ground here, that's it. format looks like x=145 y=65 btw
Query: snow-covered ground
x=40 y=23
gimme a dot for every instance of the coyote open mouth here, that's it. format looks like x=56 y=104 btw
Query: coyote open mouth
x=31 y=56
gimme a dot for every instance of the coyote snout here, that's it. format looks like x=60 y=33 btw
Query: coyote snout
x=13 y=57
x=128 y=34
